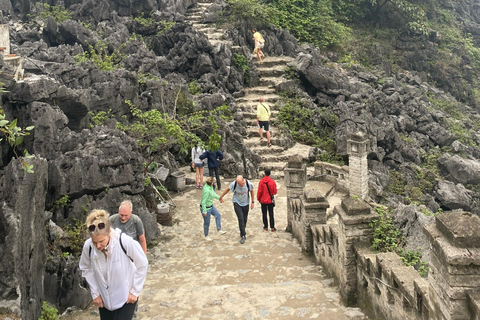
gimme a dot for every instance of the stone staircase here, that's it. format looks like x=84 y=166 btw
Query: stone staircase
x=271 y=73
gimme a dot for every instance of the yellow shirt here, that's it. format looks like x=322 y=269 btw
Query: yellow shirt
x=263 y=111
x=257 y=36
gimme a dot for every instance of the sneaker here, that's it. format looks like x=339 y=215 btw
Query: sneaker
x=208 y=239
x=273 y=229
x=269 y=144
x=265 y=229
x=242 y=241
x=220 y=232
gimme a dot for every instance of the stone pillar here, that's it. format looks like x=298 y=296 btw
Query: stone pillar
x=454 y=264
x=357 y=149
x=355 y=216
x=316 y=207
x=295 y=180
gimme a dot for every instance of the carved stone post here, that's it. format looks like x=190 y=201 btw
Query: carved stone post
x=357 y=149
x=454 y=273
x=315 y=213
x=355 y=216
x=295 y=180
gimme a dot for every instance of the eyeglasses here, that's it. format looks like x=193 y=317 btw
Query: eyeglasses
x=100 y=226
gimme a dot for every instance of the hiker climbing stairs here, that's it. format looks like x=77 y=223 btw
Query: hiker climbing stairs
x=271 y=73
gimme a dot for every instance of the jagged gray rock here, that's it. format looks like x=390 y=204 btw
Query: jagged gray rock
x=23 y=237
x=453 y=196
x=460 y=170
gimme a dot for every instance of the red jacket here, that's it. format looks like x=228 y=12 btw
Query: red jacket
x=262 y=193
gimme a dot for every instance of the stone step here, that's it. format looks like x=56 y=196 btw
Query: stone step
x=253 y=132
x=214 y=42
x=260 y=90
x=215 y=35
x=254 y=142
x=270 y=82
x=263 y=149
x=253 y=114
x=253 y=98
x=208 y=30
x=274 y=166
x=195 y=17
x=277 y=71
x=273 y=61
x=201 y=25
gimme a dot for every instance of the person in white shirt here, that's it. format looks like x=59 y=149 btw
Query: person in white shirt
x=114 y=266
x=198 y=165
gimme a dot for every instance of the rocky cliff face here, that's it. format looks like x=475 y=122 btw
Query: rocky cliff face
x=411 y=125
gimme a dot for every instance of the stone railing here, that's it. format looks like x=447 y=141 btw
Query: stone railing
x=380 y=283
x=336 y=175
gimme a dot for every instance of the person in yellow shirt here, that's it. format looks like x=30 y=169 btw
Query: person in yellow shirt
x=263 y=119
x=259 y=43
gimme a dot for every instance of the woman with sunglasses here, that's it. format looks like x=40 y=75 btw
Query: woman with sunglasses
x=114 y=287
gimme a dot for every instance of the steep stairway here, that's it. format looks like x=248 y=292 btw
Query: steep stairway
x=271 y=73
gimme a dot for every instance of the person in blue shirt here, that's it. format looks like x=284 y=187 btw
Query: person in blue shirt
x=242 y=196
x=213 y=164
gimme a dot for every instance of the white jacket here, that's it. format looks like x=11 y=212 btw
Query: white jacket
x=123 y=275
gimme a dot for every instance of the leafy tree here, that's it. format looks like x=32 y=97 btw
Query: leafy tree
x=157 y=132
x=14 y=136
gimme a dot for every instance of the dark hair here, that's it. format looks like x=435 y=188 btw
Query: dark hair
x=254 y=30
x=267 y=172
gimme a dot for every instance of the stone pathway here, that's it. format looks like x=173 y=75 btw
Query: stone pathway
x=271 y=73
x=266 y=278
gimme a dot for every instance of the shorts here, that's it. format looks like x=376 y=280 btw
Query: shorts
x=199 y=165
x=264 y=124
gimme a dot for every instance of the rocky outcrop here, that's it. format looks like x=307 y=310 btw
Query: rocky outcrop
x=23 y=237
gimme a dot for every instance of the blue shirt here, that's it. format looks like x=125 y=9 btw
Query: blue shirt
x=240 y=194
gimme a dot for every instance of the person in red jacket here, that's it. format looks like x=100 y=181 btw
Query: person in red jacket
x=267 y=189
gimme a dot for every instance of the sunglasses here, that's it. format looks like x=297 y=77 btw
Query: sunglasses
x=100 y=226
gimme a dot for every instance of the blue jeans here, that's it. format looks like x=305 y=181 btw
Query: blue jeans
x=206 y=220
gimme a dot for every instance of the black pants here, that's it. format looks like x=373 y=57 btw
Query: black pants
x=217 y=176
x=242 y=216
x=124 y=313
x=270 y=214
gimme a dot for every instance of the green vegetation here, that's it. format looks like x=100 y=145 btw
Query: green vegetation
x=241 y=61
x=49 y=312
x=397 y=184
x=157 y=132
x=62 y=202
x=386 y=238
x=100 y=118
x=312 y=126
x=57 y=13
x=144 y=77
x=75 y=234
x=194 y=88
x=291 y=73
x=101 y=57
x=14 y=136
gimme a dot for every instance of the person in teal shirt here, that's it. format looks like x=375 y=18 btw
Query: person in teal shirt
x=207 y=208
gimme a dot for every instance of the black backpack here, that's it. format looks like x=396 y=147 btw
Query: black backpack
x=121 y=245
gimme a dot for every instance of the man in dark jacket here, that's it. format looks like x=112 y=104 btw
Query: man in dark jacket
x=213 y=164
x=267 y=189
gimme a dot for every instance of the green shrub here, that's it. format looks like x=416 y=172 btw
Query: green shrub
x=76 y=237
x=49 y=312
x=386 y=238
x=397 y=184
x=62 y=202
x=194 y=88
x=100 y=118
x=241 y=61
x=57 y=13
x=101 y=57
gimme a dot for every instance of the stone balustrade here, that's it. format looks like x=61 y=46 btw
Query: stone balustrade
x=334 y=174
x=380 y=283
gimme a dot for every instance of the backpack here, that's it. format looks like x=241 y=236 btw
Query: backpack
x=248 y=188
x=261 y=40
x=121 y=244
